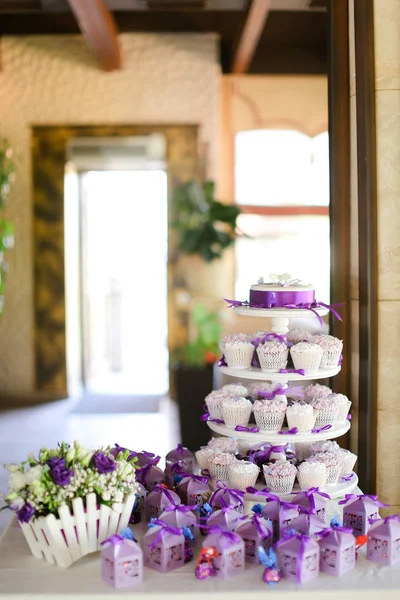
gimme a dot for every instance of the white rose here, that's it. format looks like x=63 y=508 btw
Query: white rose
x=17 y=481
x=34 y=474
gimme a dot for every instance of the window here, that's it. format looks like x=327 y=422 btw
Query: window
x=282 y=187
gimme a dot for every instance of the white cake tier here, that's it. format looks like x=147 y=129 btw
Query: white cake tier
x=288 y=313
x=335 y=431
x=257 y=374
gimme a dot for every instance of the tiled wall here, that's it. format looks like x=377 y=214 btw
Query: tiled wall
x=387 y=99
x=49 y=80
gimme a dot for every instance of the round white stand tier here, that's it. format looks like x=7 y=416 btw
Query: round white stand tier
x=335 y=431
x=280 y=316
x=255 y=373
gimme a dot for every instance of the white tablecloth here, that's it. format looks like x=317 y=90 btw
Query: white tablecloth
x=23 y=576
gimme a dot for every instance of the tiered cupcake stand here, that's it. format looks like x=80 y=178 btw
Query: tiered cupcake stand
x=280 y=321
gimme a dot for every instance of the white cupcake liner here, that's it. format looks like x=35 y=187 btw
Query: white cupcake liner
x=269 y=421
x=333 y=473
x=236 y=415
x=302 y=422
x=272 y=363
x=309 y=361
x=239 y=356
x=202 y=457
x=330 y=358
x=279 y=485
x=240 y=480
x=348 y=460
x=326 y=416
x=309 y=481
x=220 y=472
x=215 y=411
x=343 y=411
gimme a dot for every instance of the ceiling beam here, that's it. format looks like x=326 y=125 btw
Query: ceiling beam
x=100 y=31
x=253 y=28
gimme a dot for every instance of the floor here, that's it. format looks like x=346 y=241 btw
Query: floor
x=27 y=430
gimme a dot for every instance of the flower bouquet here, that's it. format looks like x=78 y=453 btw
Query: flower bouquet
x=70 y=499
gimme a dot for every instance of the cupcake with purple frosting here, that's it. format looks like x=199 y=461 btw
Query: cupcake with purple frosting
x=301 y=416
x=269 y=414
x=236 y=410
x=279 y=477
x=306 y=356
x=326 y=411
x=344 y=406
x=218 y=465
x=332 y=349
x=316 y=390
x=238 y=350
x=332 y=463
x=214 y=402
x=272 y=355
x=235 y=389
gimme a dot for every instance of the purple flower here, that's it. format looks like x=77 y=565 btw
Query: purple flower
x=104 y=463
x=60 y=473
x=117 y=449
x=55 y=462
x=26 y=513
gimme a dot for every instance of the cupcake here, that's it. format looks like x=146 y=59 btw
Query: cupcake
x=299 y=335
x=279 y=477
x=223 y=444
x=238 y=350
x=300 y=416
x=332 y=462
x=202 y=457
x=312 y=474
x=235 y=389
x=269 y=414
x=307 y=356
x=214 y=402
x=242 y=474
x=326 y=411
x=316 y=390
x=332 y=348
x=236 y=410
x=348 y=460
x=272 y=356
x=344 y=406
x=218 y=465
x=256 y=387
x=325 y=446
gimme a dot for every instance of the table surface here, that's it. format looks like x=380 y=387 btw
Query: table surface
x=24 y=576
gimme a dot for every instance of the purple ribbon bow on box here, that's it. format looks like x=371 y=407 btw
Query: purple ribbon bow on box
x=182 y=508
x=310 y=493
x=142 y=472
x=304 y=539
x=265 y=492
x=229 y=537
x=164 y=529
x=222 y=362
x=165 y=491
x=114 y=540
x=237 y=495
x=371 y=497
x=257 y=521
x=193 y=477
x=325 y=532
x=257 y=341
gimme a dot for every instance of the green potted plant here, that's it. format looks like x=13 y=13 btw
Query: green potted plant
x=193 y=366
x=6 y=227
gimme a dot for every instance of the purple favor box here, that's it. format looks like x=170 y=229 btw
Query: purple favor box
x=314 y=500
x=298 y=558
x=138 y=511
x=227 y=518
x=337 y=550
x=255 y=532
x=192 y=487
x=179 y=516
x=163 y=547
x=180 y=453
x=308 y=524
x=281 y=514
x=150 y=475
x=121 y=562
x=358 y=511
x=158 y=500
x=225 y=496
x=230 y=547
x=383 y=545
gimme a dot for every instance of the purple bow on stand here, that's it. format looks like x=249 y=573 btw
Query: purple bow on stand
x=264 y=454
x=249 y=429
x=292 y=431
x=257 y=341
x=347 y=477
x=281 y=391
x=298 y=371
x=318 y=430
x=371 y=497
x=206 y=416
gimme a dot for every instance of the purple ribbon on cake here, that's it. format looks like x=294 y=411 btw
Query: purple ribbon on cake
x=238 y=495
x=164 y=529
x=310 y=493
x=319 y=429
x=281 y=391
x=249 y=429
x=298 y=371
x=291 y=431
x=371 y=497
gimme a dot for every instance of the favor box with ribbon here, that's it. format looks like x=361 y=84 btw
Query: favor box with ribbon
x=281 y=515
x=163 y=547
x=359 y=511
x=150 y=475
x=158 y=500
x=383 y=545
x=138 y=511
x=255 y=532
x=226 y=517
x=192 y=487
x=173 y=473
x=180 y=453
x=225 y=496
x=298 y=557
x=307 y=524
x=180 y=516
x=230 y=559
x=315 y=500
x=121 y=562
x=337 y=550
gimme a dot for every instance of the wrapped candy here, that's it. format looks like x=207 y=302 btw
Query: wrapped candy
x=180 y=516
x=314 y=499
x=204 y=512
x=226 y=517
x=121 y=561
x=255 y=532
x=230 y=559
x=205 y=563
x=180 y=453
x=359 y=511
x=157 y=501
x=192 y=487
x=225 y=496
x=163 y=547
x=337 y=549
x=298 y=557
x=269 y=560
x=150 y=475
x=189 y=539
x=383 y=544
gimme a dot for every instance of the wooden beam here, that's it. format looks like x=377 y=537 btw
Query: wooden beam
x=253 y=28
x=100 y=31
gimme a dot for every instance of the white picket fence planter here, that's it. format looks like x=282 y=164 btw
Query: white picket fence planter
x=71 y=536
